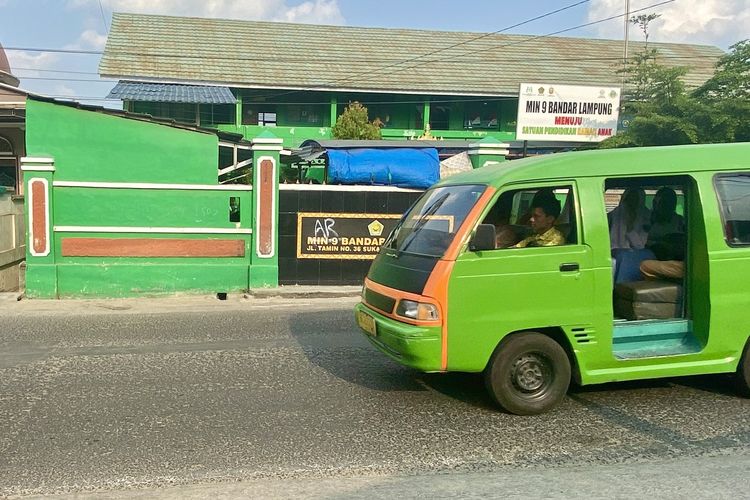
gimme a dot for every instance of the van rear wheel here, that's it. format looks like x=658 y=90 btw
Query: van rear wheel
x=528 y=374
x=742 y=377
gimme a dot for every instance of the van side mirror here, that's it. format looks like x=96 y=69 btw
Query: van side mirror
x=483 y=239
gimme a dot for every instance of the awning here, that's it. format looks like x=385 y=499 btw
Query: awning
x=167 y=92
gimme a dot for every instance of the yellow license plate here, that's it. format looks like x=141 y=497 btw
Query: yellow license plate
x=367 y=323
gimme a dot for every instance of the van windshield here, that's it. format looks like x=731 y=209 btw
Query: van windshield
x=429 y=227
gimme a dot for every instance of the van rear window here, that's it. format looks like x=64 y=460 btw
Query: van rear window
x=733 y=191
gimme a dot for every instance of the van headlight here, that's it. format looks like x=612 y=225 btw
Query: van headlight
x=417 y=310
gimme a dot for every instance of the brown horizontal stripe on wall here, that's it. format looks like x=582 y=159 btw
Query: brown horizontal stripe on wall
x=151 y=247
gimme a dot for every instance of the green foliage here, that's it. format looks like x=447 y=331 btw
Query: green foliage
x=354 y=124
x=642 y=21
x=732 y=77
x=728 y=91
x=663 y=112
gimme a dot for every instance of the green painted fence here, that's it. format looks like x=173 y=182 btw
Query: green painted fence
x=123 y=207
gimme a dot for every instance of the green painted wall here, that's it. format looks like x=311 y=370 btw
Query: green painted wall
x=148 y=207
x=92 y=146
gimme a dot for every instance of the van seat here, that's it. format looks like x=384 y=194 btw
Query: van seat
x=656 y=299
x=568 y=230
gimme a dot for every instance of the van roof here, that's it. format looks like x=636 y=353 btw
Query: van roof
x=612 y=162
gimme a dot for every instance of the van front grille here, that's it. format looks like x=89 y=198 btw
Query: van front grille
x=379 y=301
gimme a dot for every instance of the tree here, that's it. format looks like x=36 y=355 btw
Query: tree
x=642 y=21
x=729 y=90
x=661 y=111
x=354 y=124
x=732 y=77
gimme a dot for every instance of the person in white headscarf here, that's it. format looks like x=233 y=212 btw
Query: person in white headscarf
x=629 y=221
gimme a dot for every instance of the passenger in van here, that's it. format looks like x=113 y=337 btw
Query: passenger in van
x=664 y=217
x=663 y=269
x=544 y=212
x=670 y=258
x=506 y=237
x=629 y=221
x=666 y=239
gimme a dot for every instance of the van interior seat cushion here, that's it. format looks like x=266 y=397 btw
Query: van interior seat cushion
x=649 y=291
x=637 y=300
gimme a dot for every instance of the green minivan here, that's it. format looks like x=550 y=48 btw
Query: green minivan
x=596 y=266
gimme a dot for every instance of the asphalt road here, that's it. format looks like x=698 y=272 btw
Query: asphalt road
x=113 y=395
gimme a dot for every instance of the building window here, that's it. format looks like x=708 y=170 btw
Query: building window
x=440 y=117
x=179 y=112
x=8 y=165
x=267 y=119
x=215 y=114
x=393 y=115
x=8 y=172
x=252 y=114
x=481 y=115
x=305 y=115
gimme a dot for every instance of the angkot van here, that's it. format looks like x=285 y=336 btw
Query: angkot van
x=594 y=267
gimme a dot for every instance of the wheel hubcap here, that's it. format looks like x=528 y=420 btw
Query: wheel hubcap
x=531 y=373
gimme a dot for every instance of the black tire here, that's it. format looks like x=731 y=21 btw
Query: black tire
x=528 y=374
x=742 y=377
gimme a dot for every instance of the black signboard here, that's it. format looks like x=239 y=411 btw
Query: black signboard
x=342 y=236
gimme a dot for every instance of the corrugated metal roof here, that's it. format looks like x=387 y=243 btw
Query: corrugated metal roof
x=305 y=56
x=163 y=92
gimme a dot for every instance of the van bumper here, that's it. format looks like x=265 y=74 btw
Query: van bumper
x=414 y=346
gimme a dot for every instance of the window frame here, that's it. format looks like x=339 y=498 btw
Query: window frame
x=723 y=206
x=559 y=184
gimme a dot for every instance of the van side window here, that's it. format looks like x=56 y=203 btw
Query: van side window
x=529 y=217
x=733 y=191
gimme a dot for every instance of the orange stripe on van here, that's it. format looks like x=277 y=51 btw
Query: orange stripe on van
x=437 y=284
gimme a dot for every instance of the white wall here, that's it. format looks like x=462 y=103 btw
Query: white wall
x=12 y=240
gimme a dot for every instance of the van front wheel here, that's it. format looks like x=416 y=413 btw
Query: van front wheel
x=529 y=373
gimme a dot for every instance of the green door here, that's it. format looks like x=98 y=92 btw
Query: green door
x=493 y=293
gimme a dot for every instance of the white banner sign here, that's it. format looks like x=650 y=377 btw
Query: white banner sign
x=566 y=113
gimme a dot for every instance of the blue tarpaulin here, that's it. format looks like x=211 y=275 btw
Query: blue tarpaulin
x=402 y=167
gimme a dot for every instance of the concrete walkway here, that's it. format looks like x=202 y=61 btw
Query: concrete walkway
x=15 y=303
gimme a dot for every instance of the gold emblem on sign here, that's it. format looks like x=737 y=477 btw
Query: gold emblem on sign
x=375 y=228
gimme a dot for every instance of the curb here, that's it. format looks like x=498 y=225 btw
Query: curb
x=304 y=292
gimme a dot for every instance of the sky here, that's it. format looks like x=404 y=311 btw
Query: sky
x=84 y=24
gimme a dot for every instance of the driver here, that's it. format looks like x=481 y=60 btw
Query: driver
x=544 y=213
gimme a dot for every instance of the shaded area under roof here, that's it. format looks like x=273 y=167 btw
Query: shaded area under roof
x=259 y=54
x=163 y=92
x=313 y=149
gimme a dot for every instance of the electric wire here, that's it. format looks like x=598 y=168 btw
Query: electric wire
x=104 y=18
